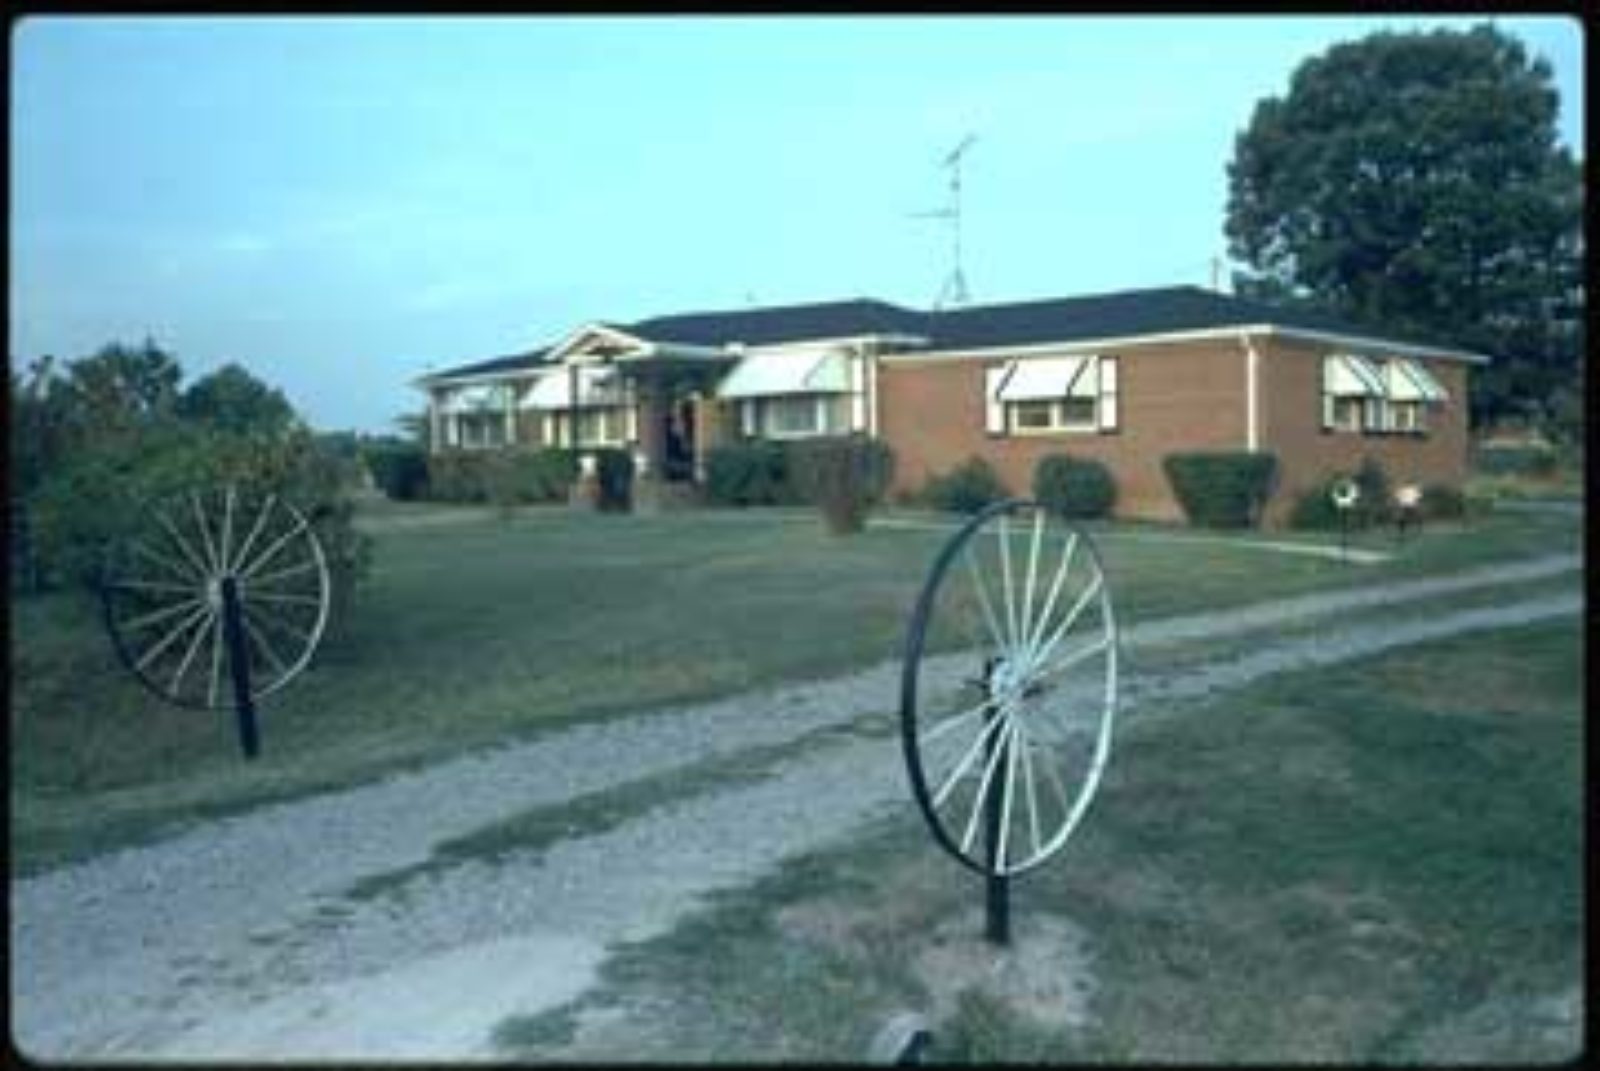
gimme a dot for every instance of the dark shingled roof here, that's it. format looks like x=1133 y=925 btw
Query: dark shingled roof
x=508 y=363
x=783 y=323
x=1114 y=315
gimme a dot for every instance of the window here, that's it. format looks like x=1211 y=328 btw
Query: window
x=1346 y=414
x=1407 y=417
x=1371 y=396
x=482 y=429
x=797 y=416
x=597 y=426
x=1053 y=394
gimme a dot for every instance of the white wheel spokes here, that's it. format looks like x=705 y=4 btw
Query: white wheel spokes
x=1050 y=697
x=164 y=607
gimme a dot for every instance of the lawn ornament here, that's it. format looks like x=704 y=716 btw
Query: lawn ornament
x=1004 y=767
x=1345 y=493
x=1408 y=503
x=212 y=578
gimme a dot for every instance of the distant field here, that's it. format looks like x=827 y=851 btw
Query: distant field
x=474 y=629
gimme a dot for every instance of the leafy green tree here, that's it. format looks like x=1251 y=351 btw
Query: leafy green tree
x=1413 y=181
x=232 y=400
x=120 y=392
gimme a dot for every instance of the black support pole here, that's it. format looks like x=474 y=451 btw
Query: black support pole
x=239 y=666
x=997 y=890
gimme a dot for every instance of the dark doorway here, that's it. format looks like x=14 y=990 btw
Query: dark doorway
x=679 y=463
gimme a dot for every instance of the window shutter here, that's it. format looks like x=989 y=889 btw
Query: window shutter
x=1109 y=393
x=994 y=410
x=858 y=392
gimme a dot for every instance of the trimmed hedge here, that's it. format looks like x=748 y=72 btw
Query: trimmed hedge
x=844 y=476
x=613 y=469
x=967 y=488
x=1074 y=487
x=459 y=476
x=505 y=477
x=1221 y=489
x=748 y=474
x=401 y=472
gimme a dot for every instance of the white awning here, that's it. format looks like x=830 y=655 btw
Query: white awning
x=1350 y=375
x=598 y=386
x=762 y=375
x=1048 y=377
x=487 y=396
x=1408 y=381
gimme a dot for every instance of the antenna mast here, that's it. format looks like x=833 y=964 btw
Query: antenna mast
x=954 y=289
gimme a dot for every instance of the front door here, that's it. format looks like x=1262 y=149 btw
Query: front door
x=680 y=441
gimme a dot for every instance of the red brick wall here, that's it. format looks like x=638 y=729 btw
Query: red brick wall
x=1174 y=396
x=1291 y=395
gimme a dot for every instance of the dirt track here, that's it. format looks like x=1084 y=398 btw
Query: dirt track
x=237 y=941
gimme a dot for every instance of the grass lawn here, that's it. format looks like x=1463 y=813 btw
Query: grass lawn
x=1378 y=862
x=474 y=630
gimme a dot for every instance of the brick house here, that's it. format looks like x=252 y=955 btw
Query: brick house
x=1125 y=377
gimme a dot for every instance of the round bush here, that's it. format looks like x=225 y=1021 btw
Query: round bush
x=967 y=488
x=1074 y=487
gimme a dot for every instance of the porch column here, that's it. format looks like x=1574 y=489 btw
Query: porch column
x=653 y=425
x=707 y=432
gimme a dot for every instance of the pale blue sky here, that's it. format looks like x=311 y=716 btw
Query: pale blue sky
x=340 y=204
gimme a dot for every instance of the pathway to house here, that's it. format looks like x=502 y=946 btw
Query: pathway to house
x=248 y=938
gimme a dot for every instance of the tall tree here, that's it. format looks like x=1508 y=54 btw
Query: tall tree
x=1413 y=181
x=232 y=400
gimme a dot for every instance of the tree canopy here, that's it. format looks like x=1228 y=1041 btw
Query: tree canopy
x=232 y=400
x=1414 y=182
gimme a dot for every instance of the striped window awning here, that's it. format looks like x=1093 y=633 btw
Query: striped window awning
x=1350 y=375
x=487 y=396
x=766 y=375
x=599 y=386
x=1044 y=378
x=1408 y=381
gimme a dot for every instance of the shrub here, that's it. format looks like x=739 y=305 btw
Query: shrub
x=95 y=499
x=1074 y=487
x=1314 y=508
x=748 y=474
x=1442 y=502
x=458 y=476
x=614 y=473
x=1221 y=489
x=1376 y=504
x=844 y=476
x=401 y=472
x=544 y=475
x=967 y=488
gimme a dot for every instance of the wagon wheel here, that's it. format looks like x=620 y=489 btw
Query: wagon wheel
x=1004 y=764
x=163 y=594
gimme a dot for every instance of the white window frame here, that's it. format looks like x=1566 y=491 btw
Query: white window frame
x=1059 y=424
x=613 y=421
x=823 y=422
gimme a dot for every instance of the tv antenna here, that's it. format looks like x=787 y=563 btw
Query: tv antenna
x=954 y=289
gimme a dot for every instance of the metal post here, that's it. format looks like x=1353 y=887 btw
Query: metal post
x=997 y=887
x=1344 y=525
x=239 y=665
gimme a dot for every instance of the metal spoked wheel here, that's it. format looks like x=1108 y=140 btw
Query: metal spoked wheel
x=166 y=590
x=1006 y=736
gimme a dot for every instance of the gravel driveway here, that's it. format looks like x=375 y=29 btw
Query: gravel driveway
x=235 y=940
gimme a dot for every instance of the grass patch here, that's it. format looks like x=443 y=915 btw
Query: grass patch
x=1368 y=863
x=475 y=630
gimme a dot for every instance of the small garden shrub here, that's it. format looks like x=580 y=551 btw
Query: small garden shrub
x=614 y=472
x=401 y=472
x=458 y=476
x=1314 y=509
x=1222 y=489
x=1442 y=502
x=1075 y=487
x=544 y=475
x=748 y=474
x=967 y=488
x=844 y=476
